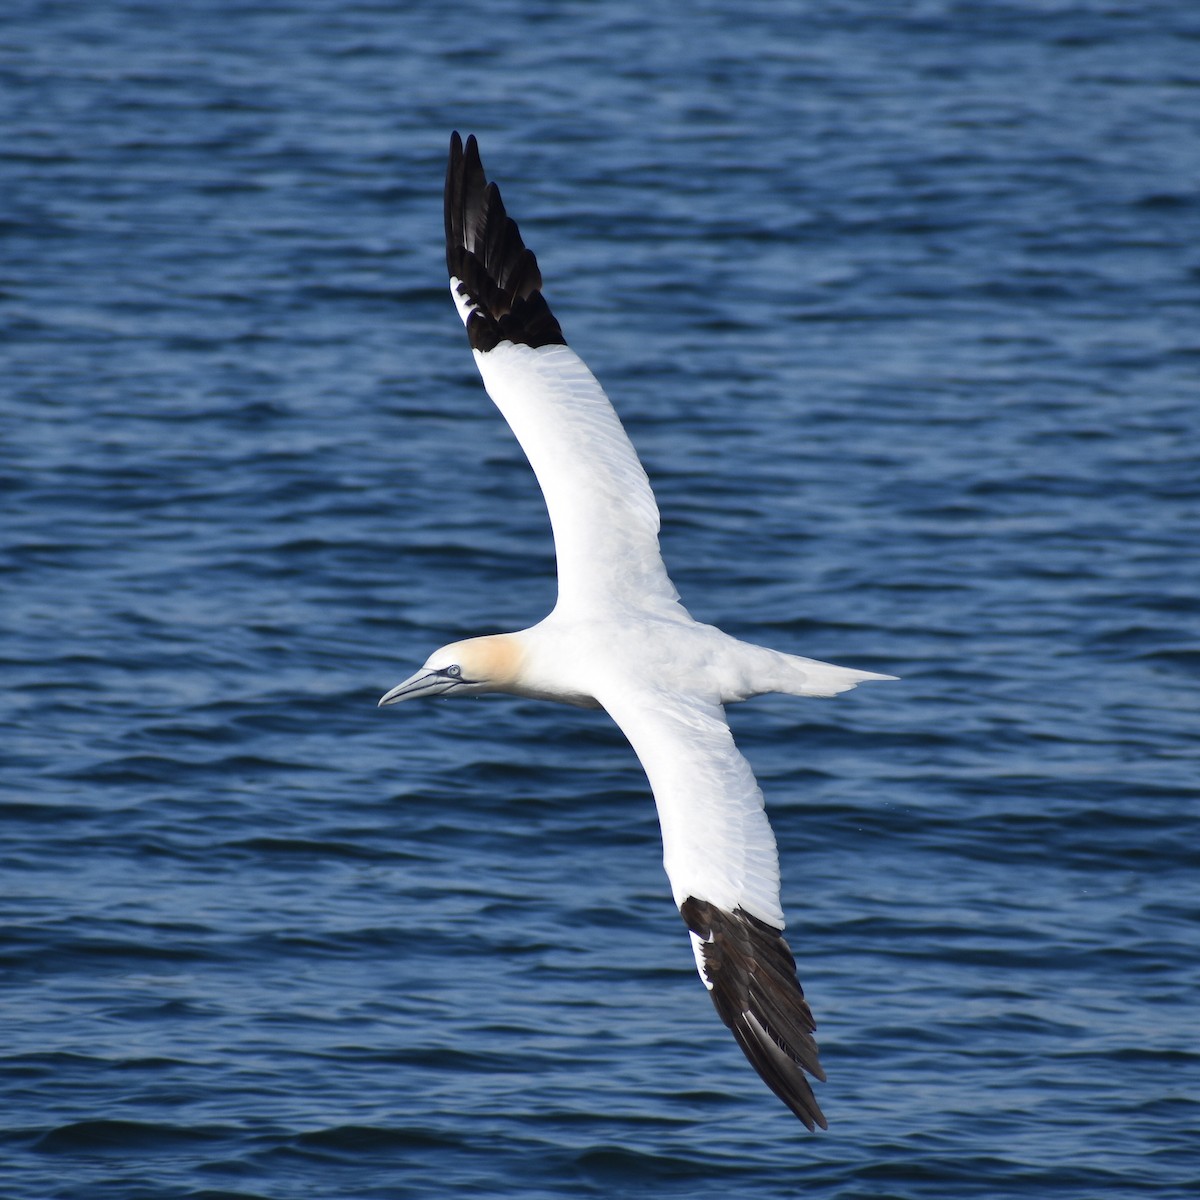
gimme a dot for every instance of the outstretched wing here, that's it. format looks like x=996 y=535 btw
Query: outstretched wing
x=601 y=507
x=721 y=859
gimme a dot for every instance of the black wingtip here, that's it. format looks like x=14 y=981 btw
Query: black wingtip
x=757 y=994
x=485 y=253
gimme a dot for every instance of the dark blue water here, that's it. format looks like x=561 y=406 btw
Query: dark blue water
x=902 y=314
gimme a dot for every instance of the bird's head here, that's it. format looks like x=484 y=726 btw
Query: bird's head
x=483 y=664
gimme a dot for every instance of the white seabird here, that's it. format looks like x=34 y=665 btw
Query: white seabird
x=620 y=639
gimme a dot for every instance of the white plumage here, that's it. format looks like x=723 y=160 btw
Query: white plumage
x=601 y=507
x=619 y=638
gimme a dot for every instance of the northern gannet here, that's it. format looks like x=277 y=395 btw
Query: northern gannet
x=619 y=639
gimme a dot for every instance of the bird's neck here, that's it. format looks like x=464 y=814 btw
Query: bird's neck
x=544 y=665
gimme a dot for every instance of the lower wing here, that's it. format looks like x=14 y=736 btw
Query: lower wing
x=721 y=859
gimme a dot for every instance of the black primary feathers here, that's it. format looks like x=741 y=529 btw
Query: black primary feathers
x=757 y=994
x=484 y=252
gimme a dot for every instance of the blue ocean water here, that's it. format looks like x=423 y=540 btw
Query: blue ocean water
x=901 y=310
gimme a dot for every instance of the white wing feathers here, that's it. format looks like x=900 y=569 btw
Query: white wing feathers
x=601 y=507
x=717 y=843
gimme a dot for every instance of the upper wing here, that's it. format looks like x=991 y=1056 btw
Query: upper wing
x=721 y=859
x=601 y=507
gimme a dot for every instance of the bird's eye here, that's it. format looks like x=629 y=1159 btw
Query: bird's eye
x=455 y=672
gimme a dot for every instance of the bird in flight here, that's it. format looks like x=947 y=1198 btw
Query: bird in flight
x=619 y=639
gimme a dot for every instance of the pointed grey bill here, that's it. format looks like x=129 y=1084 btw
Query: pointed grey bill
x=423 y=683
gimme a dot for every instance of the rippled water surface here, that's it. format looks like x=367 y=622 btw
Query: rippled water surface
x=902 y=314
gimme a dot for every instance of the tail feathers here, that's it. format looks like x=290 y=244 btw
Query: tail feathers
x=808 y=677
x=760 y=671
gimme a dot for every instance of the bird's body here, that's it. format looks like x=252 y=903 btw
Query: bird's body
x=619 y=639
x=576 y=661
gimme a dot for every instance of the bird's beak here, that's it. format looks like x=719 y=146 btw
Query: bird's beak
x=423 y=683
